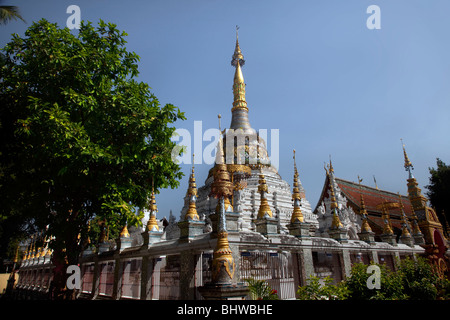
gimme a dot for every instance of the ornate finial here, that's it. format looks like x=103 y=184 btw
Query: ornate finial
x=223 y=265
x=219 y=117
x=33 y=248
x=239 y=102
x=152 y=224
x=238 y=58
x=375 y=181
x=264 y=208
x=16 y=255
x=331 y=166
x=125 y=233
x=222 y=185
x=336 y=222
x=387 y=229
x=192 y=214
x=297 y=213
x=405 y=225
x=332 y=197
x=408 y=165
x=362 y=210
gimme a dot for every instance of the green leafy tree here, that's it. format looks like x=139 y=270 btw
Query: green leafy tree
x=82 y=139
x=439 y=191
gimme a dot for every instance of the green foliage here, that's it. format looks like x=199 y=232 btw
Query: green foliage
x=322 y=289
x=413 y=280
x=81 y=137
x=260 y=290
x=439 y=189
x=8 y=13
x=419 y=280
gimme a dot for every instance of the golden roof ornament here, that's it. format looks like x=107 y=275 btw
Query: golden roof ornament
x=365 y=227
x=387 y=228
x=27 y=252
x=223 y=265
x=33 y=248
x=375 y=181
x=239 y=110
x=238 y=85
x=408 y=165
x=125 y=233
x=336 y=222
x=330 y=167
x=192 y=214
x=222 y=185
x=152 y=224
x=405 y=225
x=297 y=213
x=238 y=57
x=16 y=255
x=264 y=208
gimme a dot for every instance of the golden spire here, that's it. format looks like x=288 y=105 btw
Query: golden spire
x=223 y=265
x=405 y=225
x=28 y=252
x=192 y=214
x=222 y=185
x=16 y=255
x=362 y=211
x=336 y=222
x=408 y=165
x=239 y=111
x=238 y=57
x=152 y=224
x=418 y=201
x=330 y=167
x=238 y=85
x=297 y=213
x=125 y=233
x=387 y=229
x=33 y=245
x=264 y=208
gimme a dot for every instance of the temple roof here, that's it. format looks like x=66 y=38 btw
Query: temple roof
x=373 y=199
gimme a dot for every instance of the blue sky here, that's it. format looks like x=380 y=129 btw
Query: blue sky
x=313 y=70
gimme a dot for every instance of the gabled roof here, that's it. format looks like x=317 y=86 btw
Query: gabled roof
x=373 y=198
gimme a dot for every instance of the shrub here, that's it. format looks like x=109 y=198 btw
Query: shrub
x=260 y=290
x=314 y=290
